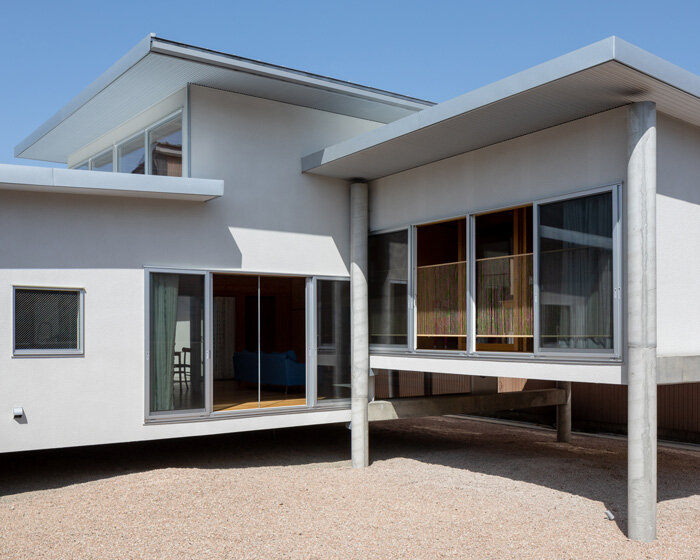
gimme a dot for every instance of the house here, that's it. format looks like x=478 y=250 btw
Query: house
x=240 y=246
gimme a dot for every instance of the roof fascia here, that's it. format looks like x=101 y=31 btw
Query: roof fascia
x=656 y=67
x=264 y=69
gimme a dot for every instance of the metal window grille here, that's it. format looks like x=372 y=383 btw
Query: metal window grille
x=47 y=320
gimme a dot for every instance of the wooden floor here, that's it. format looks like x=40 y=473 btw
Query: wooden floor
x=228 y=396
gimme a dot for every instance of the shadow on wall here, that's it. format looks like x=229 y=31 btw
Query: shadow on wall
x=112 y=232
x=678 y=165
x=79 y=231
x=594 y=468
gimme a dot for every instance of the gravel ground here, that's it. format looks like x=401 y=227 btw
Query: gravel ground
x=437 y=488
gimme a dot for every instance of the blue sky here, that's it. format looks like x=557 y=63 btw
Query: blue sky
x=434 y=50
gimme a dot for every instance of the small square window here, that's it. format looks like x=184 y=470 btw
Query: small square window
x=48 y=321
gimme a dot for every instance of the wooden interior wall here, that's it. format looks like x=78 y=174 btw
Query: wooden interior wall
x=397 y=384
x=605 y=407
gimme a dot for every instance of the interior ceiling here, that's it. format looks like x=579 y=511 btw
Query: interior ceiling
x=590 y=91
x=156 y=76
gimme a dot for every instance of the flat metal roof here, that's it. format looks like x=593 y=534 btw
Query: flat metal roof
x=602 y=76
x=156 y=68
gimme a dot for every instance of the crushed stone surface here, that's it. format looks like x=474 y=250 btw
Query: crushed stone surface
x=436 y=488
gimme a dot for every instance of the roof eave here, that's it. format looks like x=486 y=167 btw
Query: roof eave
x=268 y=70
x=141 y=49
x=153 y=44
x=612 y=49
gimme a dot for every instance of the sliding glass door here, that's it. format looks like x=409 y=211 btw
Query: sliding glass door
x=225 y=343
x=176 y=353
x=259 y=332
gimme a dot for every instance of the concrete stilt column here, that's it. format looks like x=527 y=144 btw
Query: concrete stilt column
x=564 y=414
x=359 y=333
x=641 y=321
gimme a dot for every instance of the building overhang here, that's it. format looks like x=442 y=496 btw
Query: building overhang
x=27 y=178
x=608 y=74
x=156 y=68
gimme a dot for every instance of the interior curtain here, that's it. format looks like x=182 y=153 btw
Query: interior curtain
x=576 y=275
x=504 y=296
x=164 y=293
x=441 y=300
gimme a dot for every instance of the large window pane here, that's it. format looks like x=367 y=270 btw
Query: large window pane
x=131 y=156
x=282 y=341
x=259 y=363
x=165 y=144
x=333 y=339
x=176 y=342
x=236 y=342
x=503 y=260
x=576 y=274
x=388 y=288
x=441 y=286
x=103 y=162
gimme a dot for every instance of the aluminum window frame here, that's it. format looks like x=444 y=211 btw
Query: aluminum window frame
x=544 y=356
x=177 y=115
x=617 y=258
x=50 y=352
x=207 y=413
x=313 y=341
x=410 y=299
x=117 y=163
x=208 y=369
x=471 y=299
x=182 y=113
x=414 y=284
x=91 y=161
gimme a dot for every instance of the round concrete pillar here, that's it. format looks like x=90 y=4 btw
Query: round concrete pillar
x=359 y=332
x=641 y=321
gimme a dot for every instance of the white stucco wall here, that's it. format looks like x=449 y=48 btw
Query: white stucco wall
x=278 y=219
x=271 y=218
x=586 y=153
x=678 y=237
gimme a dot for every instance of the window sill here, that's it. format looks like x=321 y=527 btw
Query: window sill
x=48 y=354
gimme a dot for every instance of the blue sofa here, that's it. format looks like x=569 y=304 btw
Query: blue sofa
x=276 y=368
